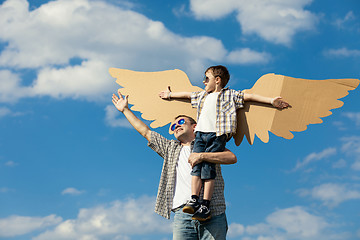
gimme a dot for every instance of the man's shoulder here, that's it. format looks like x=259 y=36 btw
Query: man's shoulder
x=157 y=137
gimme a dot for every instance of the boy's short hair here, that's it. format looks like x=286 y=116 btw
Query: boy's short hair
x=192 y=121
x=222 y=72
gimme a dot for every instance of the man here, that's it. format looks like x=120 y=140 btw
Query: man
x=175 y=182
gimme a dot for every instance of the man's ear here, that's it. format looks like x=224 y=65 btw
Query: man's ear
x=193 y=126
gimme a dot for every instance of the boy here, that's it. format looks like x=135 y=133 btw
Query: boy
x=216 y=124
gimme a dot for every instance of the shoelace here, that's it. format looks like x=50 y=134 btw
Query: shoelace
x=201 y=208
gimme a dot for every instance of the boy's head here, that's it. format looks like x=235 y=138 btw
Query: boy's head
x=221 y=72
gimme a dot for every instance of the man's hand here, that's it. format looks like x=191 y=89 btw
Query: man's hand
x=120 y=103
x=194 y=159
x=278 y=102
x=165 y=94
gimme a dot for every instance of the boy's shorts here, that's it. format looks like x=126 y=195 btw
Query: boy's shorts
x=207 y=142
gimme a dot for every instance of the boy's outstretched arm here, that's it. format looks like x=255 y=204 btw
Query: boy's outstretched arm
x=277 y=102
x=168 y=94
x=122 y=105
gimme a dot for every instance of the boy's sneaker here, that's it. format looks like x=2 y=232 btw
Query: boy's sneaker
x=191 y=206
x=202 y=214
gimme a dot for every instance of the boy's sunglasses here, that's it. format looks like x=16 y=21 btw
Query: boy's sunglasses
x=180 y=122
x=207 y=79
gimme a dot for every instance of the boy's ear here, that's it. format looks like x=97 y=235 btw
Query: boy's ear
x=218 y=80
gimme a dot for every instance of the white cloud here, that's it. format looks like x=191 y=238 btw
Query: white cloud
x=342 y=52
x=112 y=118
x=341 y=22
x=340 y=125
x=248 y=56
x=258 y=229
x=331 y=194
x=351 y=147
x=354 y=116
x=351 y=144
x=11 y=164
x=297 y=222
x=98 y=35
x=356 y=165
x=87 y=80
x=275 y=20
x=19 y=225
x=10 y=88
x=339 y=164
x=72 y=191
x=315 y=157
x=236 y=229
x=118 y=220
x=4 y=112
x=290 y=223
x=6 y=190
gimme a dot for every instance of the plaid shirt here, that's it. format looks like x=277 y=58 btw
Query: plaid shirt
x=228 y=101
x=169 y=150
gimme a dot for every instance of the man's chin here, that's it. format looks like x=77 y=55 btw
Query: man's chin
x=178 y=133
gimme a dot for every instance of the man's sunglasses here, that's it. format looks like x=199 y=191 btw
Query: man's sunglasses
x=180 y=122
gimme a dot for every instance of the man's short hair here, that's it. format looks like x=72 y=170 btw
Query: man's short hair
x=192 y=121
x=222 y=72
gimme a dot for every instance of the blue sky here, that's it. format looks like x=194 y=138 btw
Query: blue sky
x=68 y=159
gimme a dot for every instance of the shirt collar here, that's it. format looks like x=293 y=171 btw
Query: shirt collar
x=223 y=89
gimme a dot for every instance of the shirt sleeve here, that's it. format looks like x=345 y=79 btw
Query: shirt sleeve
x=159 y=144
x=195 y=98
x=239 y=99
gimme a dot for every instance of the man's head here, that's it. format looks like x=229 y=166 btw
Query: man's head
x=216 y=75
x=183 y=128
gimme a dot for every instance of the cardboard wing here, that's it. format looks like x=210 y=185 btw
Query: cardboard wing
x=310 y=100
x=143 y=89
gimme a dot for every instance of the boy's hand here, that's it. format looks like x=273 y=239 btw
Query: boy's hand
x=119 y=102
x=165 y=94
x=278 y=102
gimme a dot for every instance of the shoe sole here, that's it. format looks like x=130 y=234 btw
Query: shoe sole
x=201 y=219
x=189 y=210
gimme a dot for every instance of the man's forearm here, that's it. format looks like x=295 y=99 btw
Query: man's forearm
x=226 y=157
x=139 y=125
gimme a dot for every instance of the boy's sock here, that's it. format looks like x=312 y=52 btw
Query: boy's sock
x=196 y=197
x=206 y=203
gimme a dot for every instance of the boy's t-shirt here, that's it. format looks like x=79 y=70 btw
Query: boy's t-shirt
x=229 y=101
x=207 y=119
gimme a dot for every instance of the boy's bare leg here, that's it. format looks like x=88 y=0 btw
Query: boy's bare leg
x=196 y=183
x=208 y=189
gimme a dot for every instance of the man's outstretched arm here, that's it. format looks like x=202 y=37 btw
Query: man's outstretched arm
x=121 y=104
x=225 y=157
